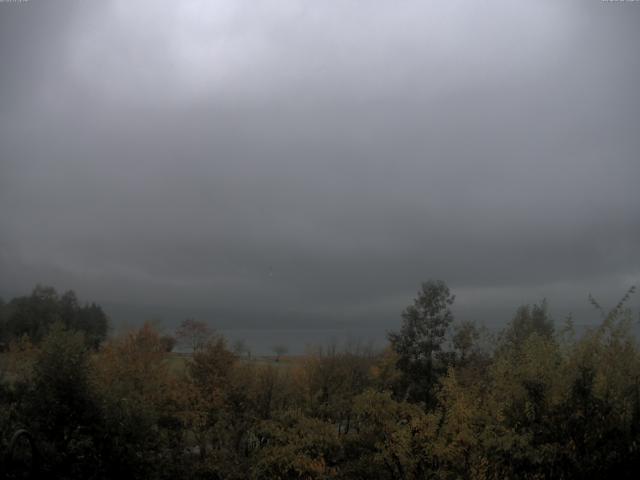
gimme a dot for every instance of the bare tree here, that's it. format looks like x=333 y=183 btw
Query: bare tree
x=194 y=334
x=279 y=350
x=240 y=348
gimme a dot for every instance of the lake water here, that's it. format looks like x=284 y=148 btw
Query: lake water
x=261 y=342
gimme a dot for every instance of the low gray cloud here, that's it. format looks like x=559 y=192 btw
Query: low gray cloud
x=316 y=160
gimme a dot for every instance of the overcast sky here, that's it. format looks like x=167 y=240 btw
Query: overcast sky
x=315 y=160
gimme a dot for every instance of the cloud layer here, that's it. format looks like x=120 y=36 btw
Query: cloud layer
x=316 y=160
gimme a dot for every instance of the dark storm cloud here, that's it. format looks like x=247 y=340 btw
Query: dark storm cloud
x=320 y=159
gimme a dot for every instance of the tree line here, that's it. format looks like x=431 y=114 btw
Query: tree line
x=445 y=399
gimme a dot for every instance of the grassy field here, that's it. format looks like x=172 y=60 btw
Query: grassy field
x=178 y=361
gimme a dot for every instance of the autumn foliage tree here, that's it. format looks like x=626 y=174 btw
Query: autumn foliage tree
x=541 y=402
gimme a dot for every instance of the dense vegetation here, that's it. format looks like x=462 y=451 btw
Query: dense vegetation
x=33 y=316
x=444 y=400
